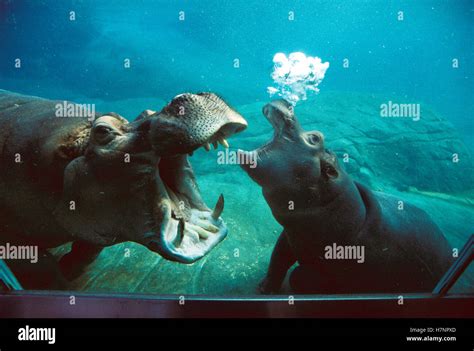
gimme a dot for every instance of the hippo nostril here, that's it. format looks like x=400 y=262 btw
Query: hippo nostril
x=284 y=102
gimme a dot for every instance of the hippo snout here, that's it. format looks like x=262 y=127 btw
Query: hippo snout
x=191 y=121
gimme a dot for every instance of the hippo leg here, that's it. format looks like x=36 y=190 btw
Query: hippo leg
x=306 y=280
x=282 y=259
x=82 y=253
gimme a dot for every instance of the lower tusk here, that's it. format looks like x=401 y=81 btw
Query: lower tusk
x=180 y=234
x=218 y=208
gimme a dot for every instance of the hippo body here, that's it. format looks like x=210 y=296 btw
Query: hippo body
x=404 y=251
x=344 y=237
x=96 y=180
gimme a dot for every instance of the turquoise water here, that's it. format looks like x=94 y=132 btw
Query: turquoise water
x=84 y=58
x=408 y=61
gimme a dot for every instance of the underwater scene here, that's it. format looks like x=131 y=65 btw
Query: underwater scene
x=235 y=148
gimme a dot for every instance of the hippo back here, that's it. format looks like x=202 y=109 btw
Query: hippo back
x=33 y=161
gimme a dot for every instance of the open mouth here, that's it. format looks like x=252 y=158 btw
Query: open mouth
x=278 y=129
x=189 y=229
x=286 y=129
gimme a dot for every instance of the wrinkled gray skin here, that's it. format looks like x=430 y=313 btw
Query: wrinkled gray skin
x=107 y=181
x=404 y=250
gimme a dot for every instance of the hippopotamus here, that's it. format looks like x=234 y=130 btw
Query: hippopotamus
x=97 y=180
x=344 y=237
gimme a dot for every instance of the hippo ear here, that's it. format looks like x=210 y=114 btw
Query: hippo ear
x=144 y=114
x=113 y=114
x=74 y=144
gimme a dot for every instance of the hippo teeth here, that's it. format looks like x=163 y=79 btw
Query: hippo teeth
x=218 y=208
x=223 y=142
x=220 y=140
x=180 y=233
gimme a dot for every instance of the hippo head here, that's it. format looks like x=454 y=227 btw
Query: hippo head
x=134 y=182
x=294 y=169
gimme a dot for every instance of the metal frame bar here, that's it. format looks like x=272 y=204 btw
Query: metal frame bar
x=458 y=267
x=34 y=304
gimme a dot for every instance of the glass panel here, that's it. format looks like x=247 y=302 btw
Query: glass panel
x=358 y=121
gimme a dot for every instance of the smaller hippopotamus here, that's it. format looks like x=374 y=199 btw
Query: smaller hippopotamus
x=344 y=237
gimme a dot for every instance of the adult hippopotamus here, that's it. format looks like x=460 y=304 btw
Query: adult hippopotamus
x=97 y=180
x=345 y=237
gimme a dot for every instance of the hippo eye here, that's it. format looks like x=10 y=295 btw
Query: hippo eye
x=102 y=130
x=103 y=134
x=314 y=138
